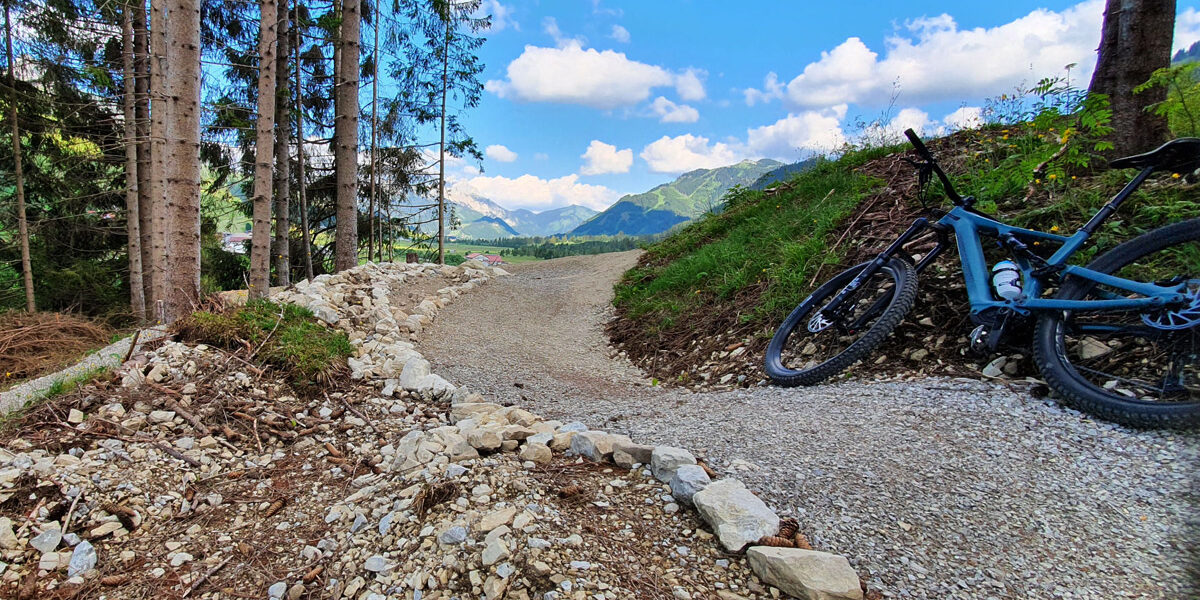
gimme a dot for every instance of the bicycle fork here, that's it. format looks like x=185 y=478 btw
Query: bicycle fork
x=829 y=314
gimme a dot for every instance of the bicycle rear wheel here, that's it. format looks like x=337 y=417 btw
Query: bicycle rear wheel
x=1138 y=369
x=806 y=350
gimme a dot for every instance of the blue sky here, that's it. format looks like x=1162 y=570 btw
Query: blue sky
x=587 y=100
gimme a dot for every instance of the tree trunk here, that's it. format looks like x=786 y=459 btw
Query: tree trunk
x=141 y=97
x=1135 y=42
x=283 y=175
x=159 y=209
x=345 y=125
x=18 y=173
x=374 y=138
x=442 y=152
x=137 y=298
x=183 y=172
x=260 y=239
x=300 y=181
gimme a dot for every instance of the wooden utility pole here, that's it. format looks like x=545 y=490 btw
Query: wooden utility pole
x=345 y=127
x=137 y=297
x=260 y=239
x=283 y=137
x=371 y=220
x=442 y=149
x=18 y=173
x=183 y=160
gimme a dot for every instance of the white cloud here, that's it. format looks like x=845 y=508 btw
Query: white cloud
x=535 y=193
x=500 y=153
x=935 y=60
x=772 y=90
x=601 y=159
x=813 y=131
x=501 y=15
x=550 y=26
x=669 y=112
x=687 y=152
x=690 y=85
x=573 y=75
x=620 y=34
x=967 y=117
x=892 y=132
x=1187 y=29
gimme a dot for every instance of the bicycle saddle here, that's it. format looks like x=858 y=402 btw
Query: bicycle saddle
x=1180 y=156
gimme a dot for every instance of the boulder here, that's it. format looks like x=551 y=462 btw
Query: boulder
x=688 y=480
x=484 y=438
x=736 y=515
x=415 y=370
x=472 y=410
x=538 y=453
x=664 y=460
x=640 y=453
x=806 y=573
x=595 y=446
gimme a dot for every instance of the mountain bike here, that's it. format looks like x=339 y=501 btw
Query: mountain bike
x=1118 y=338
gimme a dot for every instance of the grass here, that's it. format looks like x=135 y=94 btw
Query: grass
x=760 y=241
x=284 y=336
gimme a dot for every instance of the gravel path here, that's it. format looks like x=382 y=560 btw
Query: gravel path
x=937 y=488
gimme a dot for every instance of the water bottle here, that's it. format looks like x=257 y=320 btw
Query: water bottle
x=1006 y=279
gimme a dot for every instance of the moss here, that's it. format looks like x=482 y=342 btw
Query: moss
x=284 y=336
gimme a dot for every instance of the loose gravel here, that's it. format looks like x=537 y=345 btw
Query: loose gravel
x=933 y=488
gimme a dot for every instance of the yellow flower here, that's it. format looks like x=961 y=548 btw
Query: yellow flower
x=1005 y=137
x=1072 y=178
x=1037 y=180
x=1174 y=175
x=1053 y=229
x=1052 y=176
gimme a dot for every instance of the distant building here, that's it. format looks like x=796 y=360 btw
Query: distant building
x=235 y=242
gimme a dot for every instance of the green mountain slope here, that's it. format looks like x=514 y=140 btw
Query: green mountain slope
x=549 y=222
x=691 y=195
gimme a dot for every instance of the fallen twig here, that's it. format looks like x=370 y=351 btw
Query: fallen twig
x=205 y=577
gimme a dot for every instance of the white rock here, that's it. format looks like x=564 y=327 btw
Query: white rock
x=48 y=540
x=495 y=551
x=83 y=559
x=736 y=515
x=806 y=573
x=664 y=460
x=687 y=481
x=538 y=453
x=595 y=446
x=415 y=370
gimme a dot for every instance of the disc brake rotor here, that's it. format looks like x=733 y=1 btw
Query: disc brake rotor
x=1182 y=317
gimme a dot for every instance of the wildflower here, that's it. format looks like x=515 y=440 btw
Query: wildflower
x=1053 y=229
x=1037 y=180
x=1052 y=176
x=1175 y=175
x=1005 y=137
x=1073 y=178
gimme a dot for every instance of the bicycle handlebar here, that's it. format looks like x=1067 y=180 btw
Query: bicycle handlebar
x=937 y=170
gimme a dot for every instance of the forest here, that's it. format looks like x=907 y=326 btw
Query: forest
x=135 y=132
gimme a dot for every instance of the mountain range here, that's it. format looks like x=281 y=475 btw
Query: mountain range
x=691 y=195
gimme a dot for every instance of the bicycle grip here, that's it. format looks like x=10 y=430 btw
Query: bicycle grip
x=918 y=144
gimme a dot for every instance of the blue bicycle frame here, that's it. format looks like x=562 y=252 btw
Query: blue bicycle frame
x=968 y=225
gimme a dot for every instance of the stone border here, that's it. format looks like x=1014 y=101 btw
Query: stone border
x=739 y=519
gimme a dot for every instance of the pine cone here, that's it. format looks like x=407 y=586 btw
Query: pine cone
x=788 y=527
x=776 y=541
x=801 y=542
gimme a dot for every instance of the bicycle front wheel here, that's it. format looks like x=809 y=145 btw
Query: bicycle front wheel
x=1138 y=369
x=812 y=346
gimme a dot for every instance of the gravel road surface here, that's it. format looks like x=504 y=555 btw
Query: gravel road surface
x=935 y=488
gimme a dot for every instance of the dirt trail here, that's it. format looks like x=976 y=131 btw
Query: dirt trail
x=934 y=488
